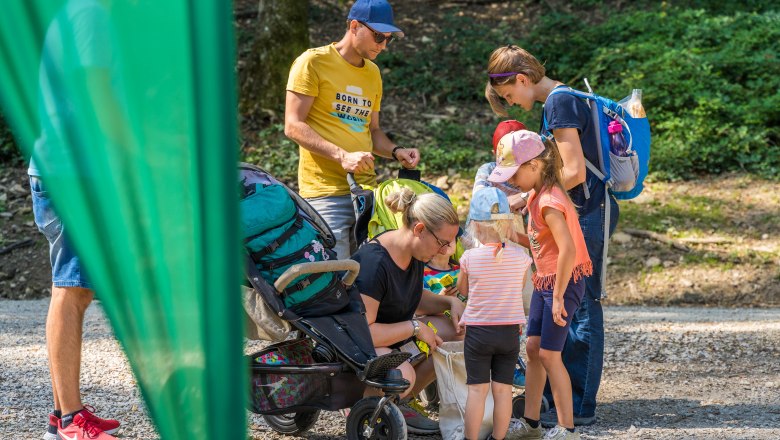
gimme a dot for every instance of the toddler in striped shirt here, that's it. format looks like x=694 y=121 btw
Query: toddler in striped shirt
x=492 y=276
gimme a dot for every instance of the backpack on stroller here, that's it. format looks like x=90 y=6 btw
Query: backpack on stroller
x=332 y=359
x=372 y=217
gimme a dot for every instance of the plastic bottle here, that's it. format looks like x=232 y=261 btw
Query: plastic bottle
x=634 y=105
x=617 y=143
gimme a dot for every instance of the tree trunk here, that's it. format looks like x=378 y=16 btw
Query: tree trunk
x=282 y=35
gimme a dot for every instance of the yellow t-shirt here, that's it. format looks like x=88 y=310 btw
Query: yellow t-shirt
x=345 y=96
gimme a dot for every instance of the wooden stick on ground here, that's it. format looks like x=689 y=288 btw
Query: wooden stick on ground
x=657 y=237
x=18 y=244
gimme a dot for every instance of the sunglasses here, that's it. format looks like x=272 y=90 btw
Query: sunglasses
x=379 y=37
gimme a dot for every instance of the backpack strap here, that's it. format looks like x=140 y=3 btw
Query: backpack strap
x=302 y=284
x=272 y=246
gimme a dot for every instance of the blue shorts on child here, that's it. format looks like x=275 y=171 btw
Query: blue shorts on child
x=540 y=320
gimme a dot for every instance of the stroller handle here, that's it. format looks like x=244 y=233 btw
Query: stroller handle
x=351 y=181
x=351 y=266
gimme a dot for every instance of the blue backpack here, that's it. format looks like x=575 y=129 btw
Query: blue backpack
x=623 y=176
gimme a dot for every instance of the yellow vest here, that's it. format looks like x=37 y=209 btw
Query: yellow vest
x=345 y=96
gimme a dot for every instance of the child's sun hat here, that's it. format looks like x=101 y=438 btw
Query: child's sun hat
x=513 y=150
x=489 y=204
x=503 y=128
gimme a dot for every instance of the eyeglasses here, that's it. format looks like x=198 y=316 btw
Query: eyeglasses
x=442 y=244
x=379 y=37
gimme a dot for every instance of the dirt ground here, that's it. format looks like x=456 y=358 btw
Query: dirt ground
x=670 y=373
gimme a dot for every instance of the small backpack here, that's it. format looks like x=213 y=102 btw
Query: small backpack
x=623 y=176
x=278 y=233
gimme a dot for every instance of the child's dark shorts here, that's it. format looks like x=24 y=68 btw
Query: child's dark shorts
x=491 y=350
x=540 y=320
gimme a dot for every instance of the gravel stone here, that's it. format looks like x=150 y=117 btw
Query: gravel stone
x=670 y=373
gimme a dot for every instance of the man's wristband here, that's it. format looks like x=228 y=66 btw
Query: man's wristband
x=394 y=150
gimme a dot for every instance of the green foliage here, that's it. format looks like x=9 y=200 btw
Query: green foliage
x=271 y=150
x=710 y=80
x=455 y=145
x=9 y=153
x=449 y=66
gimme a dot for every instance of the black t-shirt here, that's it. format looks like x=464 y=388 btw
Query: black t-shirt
x=566 y=111
x=398 y=291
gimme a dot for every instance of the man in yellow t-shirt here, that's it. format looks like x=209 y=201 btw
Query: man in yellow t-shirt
x=333 y=100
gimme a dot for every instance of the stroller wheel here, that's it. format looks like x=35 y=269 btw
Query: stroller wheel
x=389 y=425
x=518 y=406
x=293 y=423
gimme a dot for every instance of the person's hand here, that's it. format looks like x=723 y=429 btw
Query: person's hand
x=559 y=312
x=516 y=202
x=357 y=162
x=456 y=312
x=428 y=336
x=461 y=327
x=409 y=157
x=450 y=291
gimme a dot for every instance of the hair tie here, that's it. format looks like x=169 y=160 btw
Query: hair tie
x=501 y=75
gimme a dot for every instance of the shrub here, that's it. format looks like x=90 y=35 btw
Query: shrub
x=710 y=81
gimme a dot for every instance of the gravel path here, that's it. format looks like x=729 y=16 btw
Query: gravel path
x=671 y=373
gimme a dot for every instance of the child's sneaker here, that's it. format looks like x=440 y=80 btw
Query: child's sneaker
x=81 y=429
x=561 y=433
x=51 y=431
x=519 y=429
x=109 y=426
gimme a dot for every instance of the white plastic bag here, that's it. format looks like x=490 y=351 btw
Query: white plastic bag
x=450 y=365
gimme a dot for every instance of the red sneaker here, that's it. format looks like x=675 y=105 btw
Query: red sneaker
x=109 y=426
x=81 y=429
x=51 y=432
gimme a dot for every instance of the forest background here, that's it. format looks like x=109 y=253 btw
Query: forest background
x=704 y=232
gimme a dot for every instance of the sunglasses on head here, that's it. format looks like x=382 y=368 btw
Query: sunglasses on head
x=379 y=37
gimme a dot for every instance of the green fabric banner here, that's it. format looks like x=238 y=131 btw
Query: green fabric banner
x=128 y=108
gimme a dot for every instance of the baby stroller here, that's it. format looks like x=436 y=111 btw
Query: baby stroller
x=331 y=359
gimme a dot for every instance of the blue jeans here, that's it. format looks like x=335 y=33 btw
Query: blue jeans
x=338 y=213
x=583 y=353
x=66 y=269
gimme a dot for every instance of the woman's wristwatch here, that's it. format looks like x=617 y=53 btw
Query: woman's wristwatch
x=394 y=150
x=416 y=326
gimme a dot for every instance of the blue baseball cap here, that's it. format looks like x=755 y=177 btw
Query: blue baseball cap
x=377 y=14
x=489 y=204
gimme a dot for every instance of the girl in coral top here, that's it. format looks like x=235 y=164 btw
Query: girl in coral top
x=561 y=257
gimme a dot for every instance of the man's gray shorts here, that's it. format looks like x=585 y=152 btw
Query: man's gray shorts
x=340 y=216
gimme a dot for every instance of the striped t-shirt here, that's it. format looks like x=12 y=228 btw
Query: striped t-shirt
x=495 y=288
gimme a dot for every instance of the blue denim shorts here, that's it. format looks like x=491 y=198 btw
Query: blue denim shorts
x=540 y=319
x=66 y=269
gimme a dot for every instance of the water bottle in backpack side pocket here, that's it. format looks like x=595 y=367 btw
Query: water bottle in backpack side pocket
x=617 y=142
x=634 y=105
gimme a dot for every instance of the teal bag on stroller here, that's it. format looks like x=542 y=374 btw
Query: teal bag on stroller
x=277 y=235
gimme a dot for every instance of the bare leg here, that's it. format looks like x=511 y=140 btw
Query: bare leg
x=561 y=386
x=475 y=409
x=63 y=341
x=502 y=408
x=535 y=377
